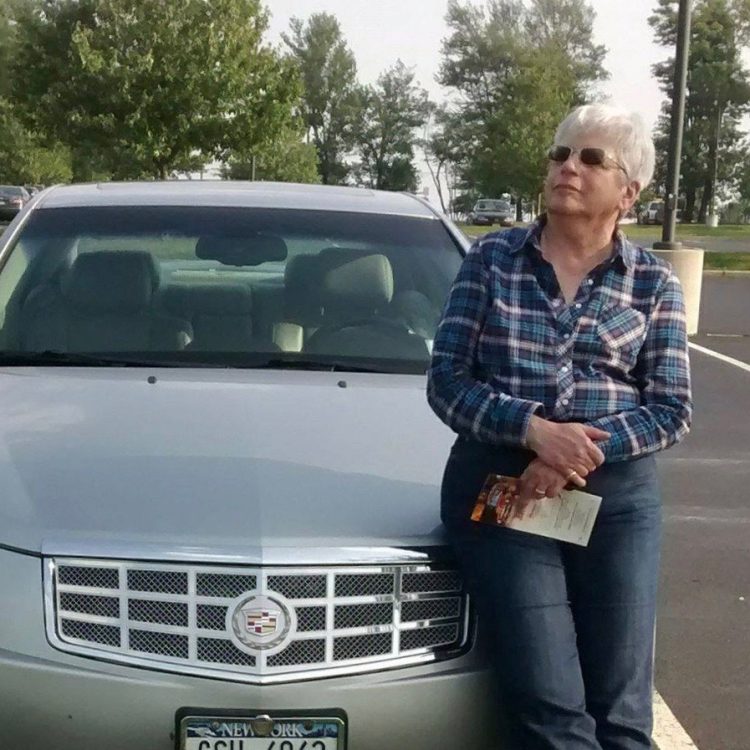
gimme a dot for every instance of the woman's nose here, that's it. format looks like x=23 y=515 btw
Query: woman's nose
x=571 y=164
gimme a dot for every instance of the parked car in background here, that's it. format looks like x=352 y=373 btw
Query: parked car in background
x=12 y=200
x=220 y=478
x=487 y=212
x=652 y=213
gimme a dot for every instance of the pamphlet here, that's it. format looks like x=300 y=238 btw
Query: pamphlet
x=568 y=517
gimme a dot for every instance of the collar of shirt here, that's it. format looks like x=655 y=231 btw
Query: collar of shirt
x=623 y=250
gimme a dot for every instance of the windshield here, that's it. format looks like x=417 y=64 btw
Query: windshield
x=493 y=206
x=10 y=191
x=225 y=287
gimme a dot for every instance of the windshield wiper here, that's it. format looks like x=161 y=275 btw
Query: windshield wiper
x=75 y=359
x=324 y=364
x=321 y=365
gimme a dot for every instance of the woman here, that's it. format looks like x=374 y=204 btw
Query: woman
x=562 y=358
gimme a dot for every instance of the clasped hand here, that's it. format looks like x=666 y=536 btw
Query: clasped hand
x=566 y=454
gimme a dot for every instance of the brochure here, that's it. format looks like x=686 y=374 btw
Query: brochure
x=568 y=517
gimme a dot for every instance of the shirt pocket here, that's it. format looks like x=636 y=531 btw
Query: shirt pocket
x=621 y=332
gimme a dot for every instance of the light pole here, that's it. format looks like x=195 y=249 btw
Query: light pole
x=675 y=133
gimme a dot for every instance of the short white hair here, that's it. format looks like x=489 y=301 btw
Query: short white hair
x=624 y=131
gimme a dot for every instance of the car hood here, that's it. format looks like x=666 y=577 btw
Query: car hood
x=223 y=465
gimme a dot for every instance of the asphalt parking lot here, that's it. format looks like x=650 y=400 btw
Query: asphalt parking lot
x=703 y=632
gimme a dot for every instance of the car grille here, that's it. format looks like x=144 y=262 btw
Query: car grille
x=175 y=617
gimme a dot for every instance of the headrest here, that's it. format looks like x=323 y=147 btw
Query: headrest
x=302 y=279
x=208 y=299
x=111 y=281
x=335 y=256
x=364 y=284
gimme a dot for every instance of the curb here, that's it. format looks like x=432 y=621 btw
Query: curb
x=723 y=272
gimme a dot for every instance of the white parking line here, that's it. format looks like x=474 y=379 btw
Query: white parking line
x=722 y=357
x=668 y=732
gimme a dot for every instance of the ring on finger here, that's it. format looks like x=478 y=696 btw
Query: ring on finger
x=540 y=493
x=572 y=474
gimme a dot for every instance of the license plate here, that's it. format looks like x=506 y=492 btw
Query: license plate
x=257 y=730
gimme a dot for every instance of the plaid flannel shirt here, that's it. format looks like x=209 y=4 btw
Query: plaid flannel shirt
x=508 y=347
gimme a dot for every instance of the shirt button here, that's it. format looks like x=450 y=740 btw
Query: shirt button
x=564 y=368
x=556 y=303
x=566 y=336
x=589 y=281
x=578 y=305
x=565 y=402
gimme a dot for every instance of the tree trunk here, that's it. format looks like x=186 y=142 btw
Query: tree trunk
x=705 y=200
x=436 y=180
x=687 y=215
x=709 y=186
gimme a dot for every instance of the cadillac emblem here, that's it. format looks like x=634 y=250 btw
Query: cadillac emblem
x=260 y=622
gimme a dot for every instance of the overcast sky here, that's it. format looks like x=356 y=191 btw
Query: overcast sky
x=381 y=31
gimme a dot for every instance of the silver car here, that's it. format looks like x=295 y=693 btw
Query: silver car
x=219 y=480
x=12 y=199
x=488 y=212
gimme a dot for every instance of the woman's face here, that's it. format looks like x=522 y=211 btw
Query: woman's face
x=594 y=192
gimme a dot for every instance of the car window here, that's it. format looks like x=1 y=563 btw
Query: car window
x=10 y=191
x=492 y=206
x=219 y=283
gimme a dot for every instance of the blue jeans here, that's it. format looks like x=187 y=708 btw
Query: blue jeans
x=571 y=628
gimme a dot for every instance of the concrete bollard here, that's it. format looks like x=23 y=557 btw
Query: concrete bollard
x=688 y=267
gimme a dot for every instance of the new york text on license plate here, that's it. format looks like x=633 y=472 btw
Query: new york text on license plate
x=261 y=732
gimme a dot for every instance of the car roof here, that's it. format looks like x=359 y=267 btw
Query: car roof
x=235 y=193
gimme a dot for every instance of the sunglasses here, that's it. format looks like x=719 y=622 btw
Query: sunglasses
x=590 y=156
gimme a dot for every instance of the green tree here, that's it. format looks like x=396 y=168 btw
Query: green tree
x=566 y=28
x=7 y=44
x=329 y=102
x=718 y=94
x=538 y=97
x=25 y=157
x=285 y=159
x=739 y=210
x=442 y=153
x=147 y=84
x=392 y=110
x=517 y=68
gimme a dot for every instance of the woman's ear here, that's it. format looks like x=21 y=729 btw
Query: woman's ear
x=630 y=195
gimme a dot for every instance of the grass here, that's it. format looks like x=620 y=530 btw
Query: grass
x=732 y=231
x=726 y=261
x=713 y=260
x=637 y=231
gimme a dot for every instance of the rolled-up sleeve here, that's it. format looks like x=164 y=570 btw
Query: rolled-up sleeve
x=467 y=405
x=663 y=373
